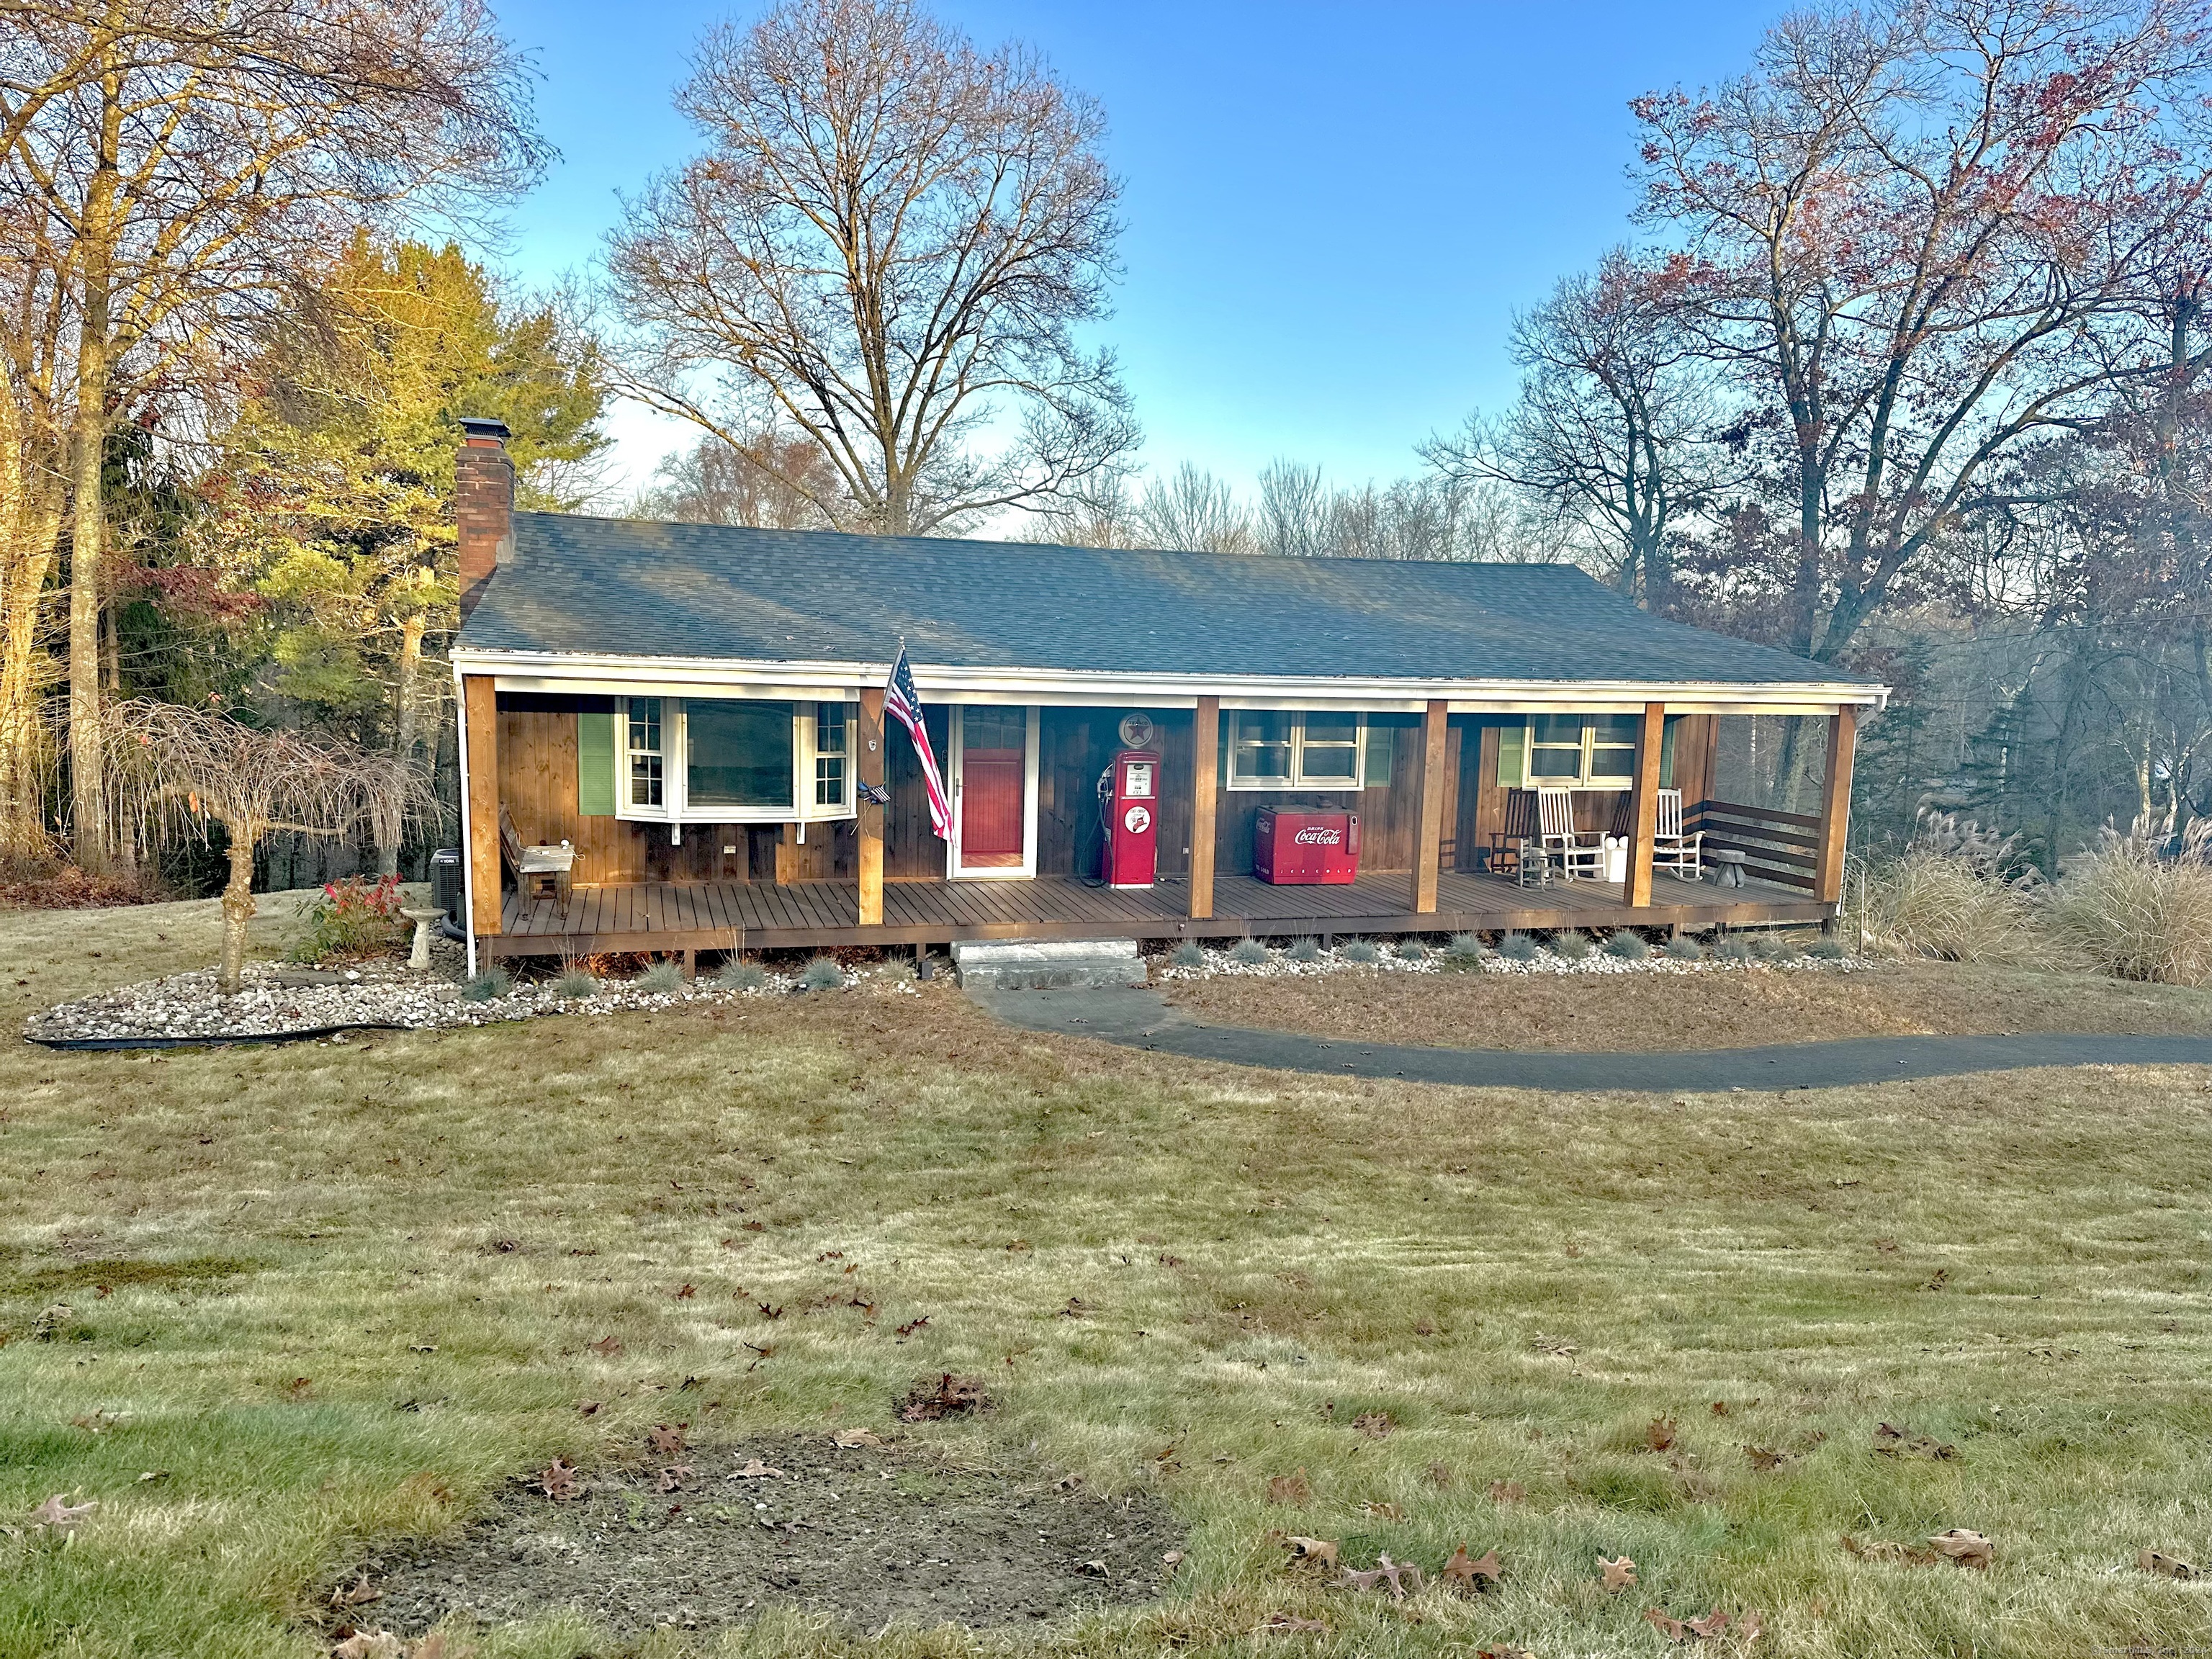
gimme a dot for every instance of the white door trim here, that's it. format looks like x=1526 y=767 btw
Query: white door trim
x=955 y=736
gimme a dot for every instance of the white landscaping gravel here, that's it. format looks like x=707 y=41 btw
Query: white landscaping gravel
x=383 y=993
x=1220 y=963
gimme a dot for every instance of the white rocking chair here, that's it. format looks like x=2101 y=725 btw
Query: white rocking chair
x=1672 y=850
x=1576 y=852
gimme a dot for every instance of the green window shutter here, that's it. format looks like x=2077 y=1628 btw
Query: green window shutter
x=595 y=765
x=1667 y=755
x=1375 y=769
x=1512 y=757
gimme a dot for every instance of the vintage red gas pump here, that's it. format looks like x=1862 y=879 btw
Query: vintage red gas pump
x=1131 y=819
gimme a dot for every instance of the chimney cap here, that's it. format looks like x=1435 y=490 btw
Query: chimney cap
x=483 y=426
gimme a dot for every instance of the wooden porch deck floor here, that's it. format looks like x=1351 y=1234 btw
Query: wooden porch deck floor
x=726 y=915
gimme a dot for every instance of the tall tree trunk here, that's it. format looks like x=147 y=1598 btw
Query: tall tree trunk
x=408 y=726
x=89 y=517
x=237 y=905
x=28 y=541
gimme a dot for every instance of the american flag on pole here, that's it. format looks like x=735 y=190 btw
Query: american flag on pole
x=903 y=703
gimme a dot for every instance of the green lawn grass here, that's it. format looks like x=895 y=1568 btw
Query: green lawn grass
x=350 y=1291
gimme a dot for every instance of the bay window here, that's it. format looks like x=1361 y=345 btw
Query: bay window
x=725 y=759
x=1316 y=749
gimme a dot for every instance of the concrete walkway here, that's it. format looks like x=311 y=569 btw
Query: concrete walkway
x=1144 y=1019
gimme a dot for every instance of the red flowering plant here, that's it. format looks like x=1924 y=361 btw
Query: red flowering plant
x=353 y=920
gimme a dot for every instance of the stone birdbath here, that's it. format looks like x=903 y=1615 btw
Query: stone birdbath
x=418 y=959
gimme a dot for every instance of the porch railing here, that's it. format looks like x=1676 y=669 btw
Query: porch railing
x=1782 y=847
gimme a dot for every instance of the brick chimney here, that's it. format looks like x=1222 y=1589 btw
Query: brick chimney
x=484 y=506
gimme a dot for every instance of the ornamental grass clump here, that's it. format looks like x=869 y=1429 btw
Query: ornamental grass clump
x=1627 y=946
x=573 y=984
x=1250 y=952
x=1731 y=948
x=1412 y=950
x=1773 y=947
x=1360 y=950
x=1466 y=947
x=2138 y=911
x=1824 y=949
x=1683 y=948
x=1518 y=947
x=1188 y=954
x=489 y=986
x=738 y=974
x=822 y=974
x=662 y=979
x=1572 y=946
x=1957 y=893
x=1304 y=950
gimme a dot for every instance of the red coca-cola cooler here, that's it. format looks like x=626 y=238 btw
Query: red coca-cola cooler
x=1294 y=848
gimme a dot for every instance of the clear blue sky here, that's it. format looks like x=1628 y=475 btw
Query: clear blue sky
x=1333 y=211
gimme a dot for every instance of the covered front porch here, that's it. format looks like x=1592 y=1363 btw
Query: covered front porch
x=690 y=917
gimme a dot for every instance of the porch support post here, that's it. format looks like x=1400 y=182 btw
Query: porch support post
x=1428 y=847
x=1643 y=819
x=480 y=709
x=1205 y=765
x=1836 y=802
x=869 y=820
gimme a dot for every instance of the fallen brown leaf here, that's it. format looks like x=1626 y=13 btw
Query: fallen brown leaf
x=666 y=1439
x=948 y=1396
x=1504 y=1650
x=1401 y=1576
x=1375 y=1425
x=557 y=1480
x=1472 y=1575
x=1383 y=1511
x=369 y=1644
x=1688 y=1630
x=1507 y=1491
x=587 y=1408
x=357 y=1594
x=1765 y=1459
x=2173 y=1566
x=1965 y=1547
x=1891 y=1441
x=1310 y=1551
x=606 y=1347
x=1659 y=1434
x=1883 y=1549
x=674 y=1477
x=757 y=1470
x=1440 y=1474
x=1617 y=1575
x=1720 y=1408
x=1292 y=1491
x=849 y=1438
x=61 y=1514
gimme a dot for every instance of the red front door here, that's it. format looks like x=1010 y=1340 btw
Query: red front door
x=993 y=748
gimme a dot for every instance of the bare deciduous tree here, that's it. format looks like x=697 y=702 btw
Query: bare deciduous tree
x=1616 y=433
x=769 y=481
x=176 y=769
x=888 y=244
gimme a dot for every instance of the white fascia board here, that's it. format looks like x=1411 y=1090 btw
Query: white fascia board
x=563 y=672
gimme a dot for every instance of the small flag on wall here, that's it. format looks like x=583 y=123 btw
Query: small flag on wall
x=903 y=703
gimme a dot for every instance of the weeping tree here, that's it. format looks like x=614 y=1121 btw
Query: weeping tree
x=174 y=770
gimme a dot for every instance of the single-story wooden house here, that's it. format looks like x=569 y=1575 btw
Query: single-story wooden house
x=698 y=711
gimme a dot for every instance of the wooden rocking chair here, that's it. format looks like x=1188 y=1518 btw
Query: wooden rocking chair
x=537 y=869
x=1672 y=850
x=1576 y=852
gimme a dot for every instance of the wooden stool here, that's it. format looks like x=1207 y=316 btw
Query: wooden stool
x=1727 y=868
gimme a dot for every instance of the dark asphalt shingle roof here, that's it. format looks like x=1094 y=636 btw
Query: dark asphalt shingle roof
x=611 y=587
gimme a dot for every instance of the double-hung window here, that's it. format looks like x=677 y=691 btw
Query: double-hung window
x=1286 y=749
x=728 y=760
x=1579 y=752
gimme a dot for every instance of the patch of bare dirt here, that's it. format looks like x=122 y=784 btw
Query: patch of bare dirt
x=1730 y=1009
x=698 y=1537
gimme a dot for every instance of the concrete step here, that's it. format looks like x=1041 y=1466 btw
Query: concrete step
x=1047 y=964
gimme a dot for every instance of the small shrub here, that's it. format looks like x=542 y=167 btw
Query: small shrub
x=1518 y=947
x=1627 y=944
x=1466 y=947
x=738 y=974
x=1412 y=950
x=1252 y=952
x=1683 y=948
x=489 y=986
x=1573 y=946
x=1773 y=947
x=576 y=983
x=1188 y=954
x=1304 y=950
x=663 y=978
x=1826 y=949
x=1360 y=950
x=1731 y=948
x=2134 y=915
x=354 y=919
x=822 y=974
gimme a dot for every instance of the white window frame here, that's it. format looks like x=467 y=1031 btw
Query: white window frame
x=675 y=766
x=1298 y=780
x=1584 y=778
x=955 y=741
